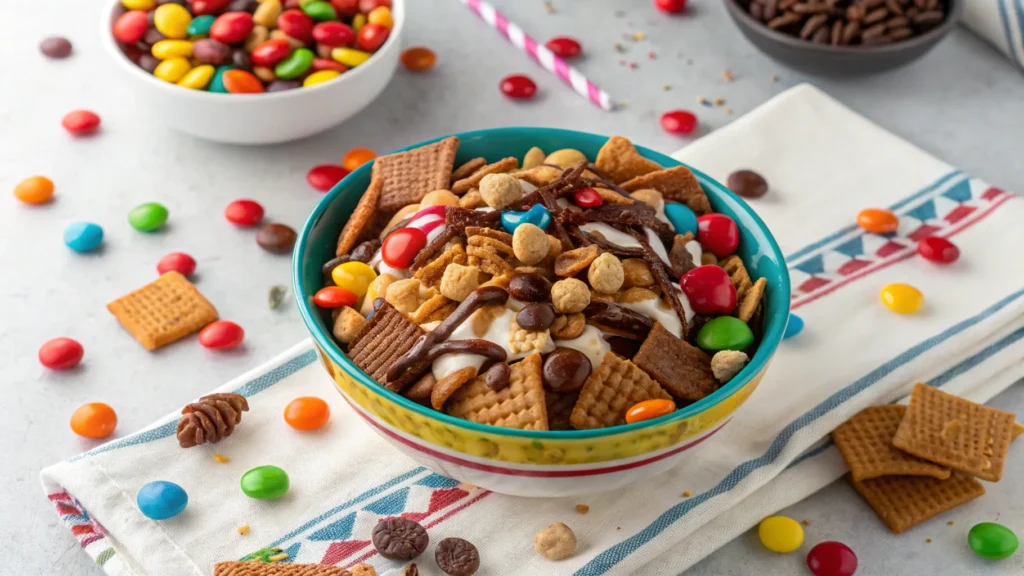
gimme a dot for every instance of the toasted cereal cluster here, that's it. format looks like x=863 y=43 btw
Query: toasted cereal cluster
x=548 y=295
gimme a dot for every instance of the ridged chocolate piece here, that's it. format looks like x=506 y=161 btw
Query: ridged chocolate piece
x=385 y=339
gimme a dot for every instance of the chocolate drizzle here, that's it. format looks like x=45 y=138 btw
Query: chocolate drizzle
x=362 y=253
x=661 y=279
x=418 y=355
x=618 y=320
x=456 y=220
x=484 y=348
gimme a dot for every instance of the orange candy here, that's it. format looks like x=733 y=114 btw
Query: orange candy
x=241 y=82
x=94 y=420
x=34 y=190
x=356 y=157
x=418 y=58
x=877 y=220
x=649 y=409
x=307 y=413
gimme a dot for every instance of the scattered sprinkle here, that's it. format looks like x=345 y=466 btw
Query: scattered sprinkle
x=928 y=540
x=276 y=296
x=582 y=508
x=632 y=64
x=549 y=7
x=651 y=55
x=666 y=87
x=686 y=494
x=243 y=529
x=950 y=523
x=727 y=75
x=638 y=36
x=719 y=101
x=728 y=111
x=805 y=522
x=620 y=48
x=618 y=527
x=775 y=78
x=221 y=459
x=703 y=101
x=278 y=557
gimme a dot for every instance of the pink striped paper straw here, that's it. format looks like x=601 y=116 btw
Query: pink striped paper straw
x=541 y=54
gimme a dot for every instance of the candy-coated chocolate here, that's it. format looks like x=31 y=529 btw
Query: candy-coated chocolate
x=670 y=6
x=60 y=353
x=683 y=219
x=565 y=370
x=356 y=276
x=418 y=58
x=201 y=7
x=138 y=4
x=221 y=335
x=276 y=238
x=587 y=198
x=172 y=69
x=878 y=221
x=319 y=77
x=83 y=236
x=564 y=47
x=296 y=24
x=992 y=541
x=319 y=10
x=270 y=52
x=367 y=6
x=241 y=82
x=334 y=34
x=177 y=261
x=356 y=157
x=148 y=217
x=718 y=234
x=832 y=559
x=161 y=500
x=217 y=82
x=94 y=420
x=709 y=290
x=295 y=65
x=244 y=212
x=346 y=8
x=307 y=413
x=780 y=534
x=265 y=483
x=55 y=47
x=130 y=27
x=349 y=56
x=649 y=410
x=80 y=122
x=172 y=20
x=358 y=21
x=198 y=78
x=165 y=49
x=232 y=27
x=902 y=298
x=679 y=122
x=381 y=16
x=401 y=247
x=34 y=190
x=210 y=51
x=537 y=215
x=200 y=25
x=938 y=250
x=325 y=176
x=334 y=297
x=518 y=86
x=371 y=37
x=725 y=333
x=322 y=64
x=793 y=327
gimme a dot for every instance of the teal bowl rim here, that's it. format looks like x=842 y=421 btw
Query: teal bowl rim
x=769 y=341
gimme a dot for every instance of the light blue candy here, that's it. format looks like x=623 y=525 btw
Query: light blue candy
x=161 y=500
x=682 y=218
x=793 y=327
x=537 y=215
x=83 y=236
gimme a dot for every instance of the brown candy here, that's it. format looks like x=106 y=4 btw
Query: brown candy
x=399 y=538
x=536 y=317
x=276 y=238
x=55 y=47
x=530 y=288
x=498 y=376
x=566 y=370
x=457 y=557
x=747 y=183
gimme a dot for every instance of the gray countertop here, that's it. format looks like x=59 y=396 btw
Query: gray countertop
x=962 y=103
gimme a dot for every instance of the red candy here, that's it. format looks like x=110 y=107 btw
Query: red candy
x=232 y=27
x=221 y=335
x=130 y=27
x=333 y=34
x=587 y=198
x=244 y=212
x=346 y=7
x=718 y=234
x=371 y=37
x=335 y=297
x=670 y=6
x=518 y=86
x=938 y=250
x=60 y=353
x=203 y=7
x=269 y=52
x=325 y=176
x=709 y=290
x=832 y=559
x=564 y=47
x=179 y=261
x=401 y=246
x=296 y=24
x=325 y=64
x=367 y=6
x=80 y=122
x=679 y=122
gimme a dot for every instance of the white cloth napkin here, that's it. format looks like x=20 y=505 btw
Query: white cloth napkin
x=1001 y=22
x=824 y=164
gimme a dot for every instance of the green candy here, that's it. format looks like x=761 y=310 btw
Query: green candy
x=147 y=217
x=992 y=541
x=217 y=83
x=725 y=333
x=200 y=25
x=265 y=483
x=295 y=65
x=320 y=11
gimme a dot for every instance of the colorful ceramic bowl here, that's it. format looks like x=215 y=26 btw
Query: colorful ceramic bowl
x=523 y=462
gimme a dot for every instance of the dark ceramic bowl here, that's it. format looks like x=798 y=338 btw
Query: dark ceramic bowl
x=828 y=60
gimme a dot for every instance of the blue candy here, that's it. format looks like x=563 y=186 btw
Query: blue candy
x=537 y=215
x=161 y=500
x=682 y=218
x=793 y=327
x=83 y=236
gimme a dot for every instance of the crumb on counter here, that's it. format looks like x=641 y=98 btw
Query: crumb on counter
x=582 y=508
x=243 y=529
x=221 y=459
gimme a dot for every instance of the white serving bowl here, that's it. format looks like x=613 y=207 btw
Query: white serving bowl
x=260 y=118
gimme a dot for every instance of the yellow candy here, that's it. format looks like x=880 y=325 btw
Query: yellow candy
x=358 y=21
x=165 y=49
x=172 y=20
x=138 y=4
x=320 y=77
x=350 y=57
x=355 y=276
x=780 y=534
x=172 y=69
x=198 y=77
x=902 y=298
x=381 y=15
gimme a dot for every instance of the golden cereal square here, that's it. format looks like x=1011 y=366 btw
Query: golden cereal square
x=165 y=310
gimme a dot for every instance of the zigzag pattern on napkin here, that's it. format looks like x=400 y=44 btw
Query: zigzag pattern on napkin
x=84 y=527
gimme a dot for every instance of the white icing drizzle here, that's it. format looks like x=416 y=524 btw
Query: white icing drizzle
x=693 y=247
x=659 y=248
x=591 y=343
x=435 y=233
x=378 y=264
x=624 y=240
x=656 y=309
x=526 y=186
x=498 y=332
x=659 y=211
